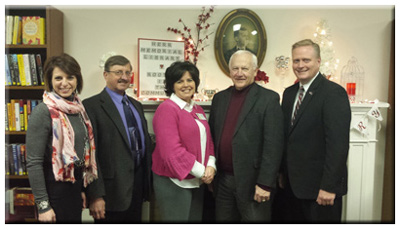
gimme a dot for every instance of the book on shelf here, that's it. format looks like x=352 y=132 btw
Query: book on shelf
x=16 y=115
x=9 y=29
x=6 y=118
x=8 y=73
x=39 y=67
x=18 y=112
x=17 y=30
x=27 y=69
x=15 y=159
x=25 y=108
x=23 y=159
x=14 y=70
x=20 y=202
x=21 y=69
x=33 y=69
x=33 y=30
x=7 y=160
x=21 y=114
x=19 y=160
x=24 y=69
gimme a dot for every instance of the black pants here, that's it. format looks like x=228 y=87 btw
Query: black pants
x=134 y=213
x=231 y=208
x=66 y=200
x=295 y=210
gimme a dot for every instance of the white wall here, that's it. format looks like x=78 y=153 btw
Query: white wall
x=360 y=31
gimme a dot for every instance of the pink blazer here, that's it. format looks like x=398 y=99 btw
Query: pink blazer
x=178 y=140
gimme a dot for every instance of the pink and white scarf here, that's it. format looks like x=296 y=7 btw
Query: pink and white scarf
x=64 y=153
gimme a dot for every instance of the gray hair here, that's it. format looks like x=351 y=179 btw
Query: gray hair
x=253 y=57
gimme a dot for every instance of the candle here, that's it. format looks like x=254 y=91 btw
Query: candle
x=351 y=88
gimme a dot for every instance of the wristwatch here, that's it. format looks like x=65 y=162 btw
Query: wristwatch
x=43 y=205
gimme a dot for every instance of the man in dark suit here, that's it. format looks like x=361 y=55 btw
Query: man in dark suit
x=242 y=39
x=123 y=148
x=247 y=126
x=317 y=122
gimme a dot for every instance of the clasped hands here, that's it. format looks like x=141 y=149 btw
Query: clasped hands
x=208 y=176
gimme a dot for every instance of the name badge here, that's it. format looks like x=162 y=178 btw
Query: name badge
x=201 y=116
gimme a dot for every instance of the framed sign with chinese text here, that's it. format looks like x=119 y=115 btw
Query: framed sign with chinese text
x=155 y=56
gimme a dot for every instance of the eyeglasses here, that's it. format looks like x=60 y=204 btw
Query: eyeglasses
x=119 y=73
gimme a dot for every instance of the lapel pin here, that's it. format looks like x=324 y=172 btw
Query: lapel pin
x=311 y=93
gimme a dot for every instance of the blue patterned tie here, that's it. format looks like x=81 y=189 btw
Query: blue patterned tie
x=134 y=135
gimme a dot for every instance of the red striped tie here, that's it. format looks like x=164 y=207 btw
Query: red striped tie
x=298 y=104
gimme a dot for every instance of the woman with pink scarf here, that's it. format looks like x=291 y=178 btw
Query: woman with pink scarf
x=60 y=145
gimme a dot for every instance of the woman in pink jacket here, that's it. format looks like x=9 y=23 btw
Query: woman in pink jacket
x=183 y=160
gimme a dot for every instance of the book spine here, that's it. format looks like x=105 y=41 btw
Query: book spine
x=21 y=69
x=16 y=28
x=42 y=31
x=17 y=118
x=39 y=67
x=6 y=117
x=11 y=125
x=32 y=64
x=9 y=29
x=25 y=115
x=7 y=159
x=27 y=69
x=21 y=114
x=20 y=169
x=29 y=107
x=15 y=158
x=8 y=72
x=23 y=159
x=14 y=61
x=10 y=159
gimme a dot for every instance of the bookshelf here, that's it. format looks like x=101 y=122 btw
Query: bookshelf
x=54 y=45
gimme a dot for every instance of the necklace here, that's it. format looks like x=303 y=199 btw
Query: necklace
x=81 y=162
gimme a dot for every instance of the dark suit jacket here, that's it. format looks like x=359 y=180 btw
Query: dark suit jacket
x=115 y=162
x=317 y=145
x=257 y=141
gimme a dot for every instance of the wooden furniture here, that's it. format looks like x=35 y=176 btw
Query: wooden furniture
x=54 y=45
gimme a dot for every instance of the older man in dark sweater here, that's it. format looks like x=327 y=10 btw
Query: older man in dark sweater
x=247 y=126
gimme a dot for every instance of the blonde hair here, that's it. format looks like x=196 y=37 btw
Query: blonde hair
x=308 y=42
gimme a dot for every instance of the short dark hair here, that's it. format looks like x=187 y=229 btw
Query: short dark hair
x=116 y=60
x=175 y=72
x=237 y=32
x=308 y=42
x=67 y=64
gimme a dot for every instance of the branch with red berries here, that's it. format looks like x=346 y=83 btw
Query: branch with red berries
x=195 y=44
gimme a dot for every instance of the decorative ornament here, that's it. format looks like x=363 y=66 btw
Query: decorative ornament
x=195 y=45
x=362 y=124
x=352 y=79
x=281 y=64
x=322 y=37
x=261 y=76
x=104 y=58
